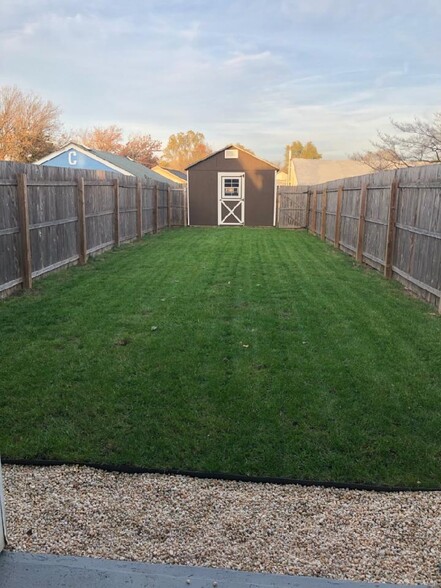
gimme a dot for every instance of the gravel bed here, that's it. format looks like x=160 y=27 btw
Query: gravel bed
x=341 y=534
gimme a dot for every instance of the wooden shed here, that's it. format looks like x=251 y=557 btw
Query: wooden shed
x=232 y=187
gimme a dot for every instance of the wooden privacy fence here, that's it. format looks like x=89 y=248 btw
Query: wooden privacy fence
x=51 y=217
x=292 y=207
x=389 y=220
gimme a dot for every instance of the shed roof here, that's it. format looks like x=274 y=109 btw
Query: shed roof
x=232 y=146
x=306 y=172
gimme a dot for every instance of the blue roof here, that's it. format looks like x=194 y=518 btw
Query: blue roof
x=133 y=167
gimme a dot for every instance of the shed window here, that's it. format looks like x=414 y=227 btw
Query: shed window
x=231 y=187
x=231 y=154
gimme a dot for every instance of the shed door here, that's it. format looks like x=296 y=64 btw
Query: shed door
x=231 y=198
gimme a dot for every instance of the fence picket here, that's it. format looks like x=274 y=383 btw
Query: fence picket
x=155 y=209
x=324 y=206
x=338 y=217
x=23 y=206
x=361 y=223
x=389 y=253
x=139 y=209
x=82 y=239
x=116 y=219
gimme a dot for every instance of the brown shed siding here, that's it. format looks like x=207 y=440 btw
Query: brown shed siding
x=259 y=189
x=202 y=194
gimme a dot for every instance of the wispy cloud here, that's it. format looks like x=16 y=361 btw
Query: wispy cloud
x=243 y=59
x=263 y=74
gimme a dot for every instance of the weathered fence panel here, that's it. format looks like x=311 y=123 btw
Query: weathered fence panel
x=100 y=215
x=375 y=232
x=389 y=220
x=52 y=217
x=162 y=207
x=349 y=219
x=331 y=212
x=10 y=242
x=178 y=207
x=127 y=211
x=292 y=207
x=147 y=208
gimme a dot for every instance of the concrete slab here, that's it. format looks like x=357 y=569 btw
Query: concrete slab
x=26 y=570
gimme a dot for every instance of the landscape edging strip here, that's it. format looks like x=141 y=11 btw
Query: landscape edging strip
x=127 y=469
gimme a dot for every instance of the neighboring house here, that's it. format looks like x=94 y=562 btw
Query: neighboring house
x=307 y=172
x=232 y=187
x=76 y=156
x=171 y=174
x=282 y=178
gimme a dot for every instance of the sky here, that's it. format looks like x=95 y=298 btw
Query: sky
x=261 y=73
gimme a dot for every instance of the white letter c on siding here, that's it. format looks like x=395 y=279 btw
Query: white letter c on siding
x=72 y=158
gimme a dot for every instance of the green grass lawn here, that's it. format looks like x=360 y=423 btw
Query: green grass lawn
x=252 y=351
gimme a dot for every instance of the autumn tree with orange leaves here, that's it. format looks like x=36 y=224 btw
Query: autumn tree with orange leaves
x=142 y=148
x=29 y=125
x=183 y=149
x=101 y=138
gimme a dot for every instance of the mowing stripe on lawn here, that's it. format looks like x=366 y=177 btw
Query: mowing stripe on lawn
x=256 y=352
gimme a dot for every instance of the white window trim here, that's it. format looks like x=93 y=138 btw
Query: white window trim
x=220 y=175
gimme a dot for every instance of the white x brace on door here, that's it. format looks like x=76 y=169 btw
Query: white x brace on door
x=231 y=198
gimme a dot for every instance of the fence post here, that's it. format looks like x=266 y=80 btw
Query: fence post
x=23 y=207
x=155 y=208
x=138 y=208
x=314 y=211
x=324 y=206
x=338 y=218
x=278 y=200
x=81 y=207
x=361 y=223
x=184 y=196
x=169 y=207
x=308 y=204
x=116 y=235
x=390 y=241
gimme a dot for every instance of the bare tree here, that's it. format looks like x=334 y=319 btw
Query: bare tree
x=379 y=160
x=415 y=142
x=28 y=125
x=100 y=138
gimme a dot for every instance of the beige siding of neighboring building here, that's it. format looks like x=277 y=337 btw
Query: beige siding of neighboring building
x=306 y=172
x=282 y=178
x=167 y=174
